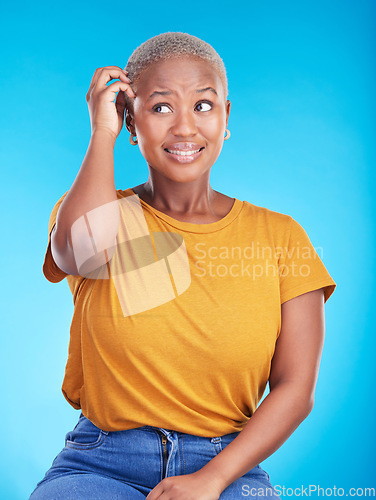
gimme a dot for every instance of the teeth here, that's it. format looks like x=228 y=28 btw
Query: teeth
x=183 y=153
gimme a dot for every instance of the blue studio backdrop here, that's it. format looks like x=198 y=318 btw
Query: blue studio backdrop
x=302 y=85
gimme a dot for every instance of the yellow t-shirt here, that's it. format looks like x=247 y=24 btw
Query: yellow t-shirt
x=178 y=330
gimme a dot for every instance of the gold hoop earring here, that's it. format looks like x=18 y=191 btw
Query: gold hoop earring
x=132 y=141
x=228 y=134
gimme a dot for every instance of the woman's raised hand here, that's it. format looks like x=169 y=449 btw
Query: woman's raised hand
x=105 y=108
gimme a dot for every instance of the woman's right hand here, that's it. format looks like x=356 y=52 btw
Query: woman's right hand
x=105 y=111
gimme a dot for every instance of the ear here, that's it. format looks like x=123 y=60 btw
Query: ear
x=228 y=107
x=129 y=121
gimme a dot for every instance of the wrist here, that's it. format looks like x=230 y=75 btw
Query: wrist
x=103 y=134
x=211 y=474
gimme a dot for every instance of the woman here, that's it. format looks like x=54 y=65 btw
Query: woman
x=187 y=301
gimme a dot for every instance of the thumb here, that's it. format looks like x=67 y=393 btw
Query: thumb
x=120 y=103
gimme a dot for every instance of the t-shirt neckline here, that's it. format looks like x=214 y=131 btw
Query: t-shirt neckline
x=191 y=226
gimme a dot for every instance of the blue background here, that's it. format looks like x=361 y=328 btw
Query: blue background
x=302 y=85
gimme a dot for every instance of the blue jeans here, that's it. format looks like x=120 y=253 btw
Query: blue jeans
x=102 y=465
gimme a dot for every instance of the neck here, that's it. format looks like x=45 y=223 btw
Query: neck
x=189 y=198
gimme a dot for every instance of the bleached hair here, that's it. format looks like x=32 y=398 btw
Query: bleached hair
x=169 y=45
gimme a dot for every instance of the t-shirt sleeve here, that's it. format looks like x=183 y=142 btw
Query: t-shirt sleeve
x=50 y=269
x=301 y=269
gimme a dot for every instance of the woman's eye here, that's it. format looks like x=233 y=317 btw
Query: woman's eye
x=164 y=108
x=161 y=108
x=204 y=106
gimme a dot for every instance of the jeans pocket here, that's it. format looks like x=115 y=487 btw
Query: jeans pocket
x=85 y=435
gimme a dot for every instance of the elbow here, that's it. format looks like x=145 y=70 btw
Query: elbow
x=309 y=405
x=89 y=260
x=306 y=404
x=300 y=395
x=82 y=258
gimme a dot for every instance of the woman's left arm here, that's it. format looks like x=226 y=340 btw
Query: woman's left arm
x=292 y=383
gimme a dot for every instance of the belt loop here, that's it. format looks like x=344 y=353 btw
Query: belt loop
x=216 y=440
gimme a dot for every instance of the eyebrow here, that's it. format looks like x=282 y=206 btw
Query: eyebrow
x=169 y=92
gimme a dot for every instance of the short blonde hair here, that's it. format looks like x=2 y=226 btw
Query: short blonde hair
x=169 y=45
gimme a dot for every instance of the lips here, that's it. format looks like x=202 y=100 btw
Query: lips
x=184 y=148
x=184 y=152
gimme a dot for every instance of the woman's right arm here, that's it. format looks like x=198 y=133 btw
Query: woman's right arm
x=87 y=207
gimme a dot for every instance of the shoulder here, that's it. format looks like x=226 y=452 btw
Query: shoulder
x=125 y=193
x=271 y=218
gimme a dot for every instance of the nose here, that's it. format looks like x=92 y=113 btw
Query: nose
x=184 y=123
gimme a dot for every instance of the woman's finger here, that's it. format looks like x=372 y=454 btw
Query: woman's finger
x=115 y=87
x=109 y=74
x=104 y=72
x=120 y=102
x=93 y=82
x=100 y=98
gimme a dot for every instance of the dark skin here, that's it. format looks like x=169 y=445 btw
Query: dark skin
x=180 y=189
x=183 y=191
x=176 y=186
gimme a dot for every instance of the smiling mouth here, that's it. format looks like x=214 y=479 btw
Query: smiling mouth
x=183 y=153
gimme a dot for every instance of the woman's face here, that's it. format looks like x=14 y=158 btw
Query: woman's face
x=180 y=116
